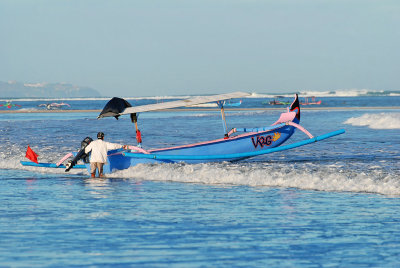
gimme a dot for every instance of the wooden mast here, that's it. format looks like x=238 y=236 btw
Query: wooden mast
x=224 y=125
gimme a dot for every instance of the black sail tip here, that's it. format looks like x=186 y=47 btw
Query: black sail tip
x=114 y=107
x=296 y=106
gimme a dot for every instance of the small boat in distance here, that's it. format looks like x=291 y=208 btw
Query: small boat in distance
x=312 y=102
x=276 y=102
x=9 y=105
x=232 y=104
x=54 y=105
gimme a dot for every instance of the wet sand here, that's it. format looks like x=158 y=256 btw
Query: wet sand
x=208 y=109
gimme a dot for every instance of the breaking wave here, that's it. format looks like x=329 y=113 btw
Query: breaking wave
x=330 y=93
x=305 y=176
x=308 y=177
x=376 y=121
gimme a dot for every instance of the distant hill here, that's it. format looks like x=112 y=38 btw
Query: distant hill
x=13 y=89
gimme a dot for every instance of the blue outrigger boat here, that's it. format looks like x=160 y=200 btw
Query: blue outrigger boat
x=236 y=144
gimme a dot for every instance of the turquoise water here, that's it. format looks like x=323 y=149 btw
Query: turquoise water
x=331 y=204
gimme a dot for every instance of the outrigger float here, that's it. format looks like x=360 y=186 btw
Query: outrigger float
x=236 y=144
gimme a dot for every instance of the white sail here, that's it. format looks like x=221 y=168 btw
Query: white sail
x=183 y=103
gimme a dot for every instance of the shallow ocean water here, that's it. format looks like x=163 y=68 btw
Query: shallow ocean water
x=333 y=203
x=67 y=221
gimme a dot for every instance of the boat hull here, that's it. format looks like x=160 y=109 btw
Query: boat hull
x=248 y=142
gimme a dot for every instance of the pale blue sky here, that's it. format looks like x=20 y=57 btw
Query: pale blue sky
x=171 y=47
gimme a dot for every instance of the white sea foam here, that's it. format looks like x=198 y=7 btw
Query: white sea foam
x=376 y=121
x=320 y=178
x=306 y=176
x=328 y=93
x=303 y=93
x=29 y=109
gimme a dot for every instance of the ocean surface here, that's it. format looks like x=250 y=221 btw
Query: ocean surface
x=335 y=203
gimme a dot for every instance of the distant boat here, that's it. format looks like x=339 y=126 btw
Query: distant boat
x=54 y=105
x=276 y=102
x=232 y=104
x=312 y=102
x=9 y=105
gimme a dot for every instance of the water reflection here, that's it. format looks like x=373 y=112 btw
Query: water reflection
x=98 y=187
x=99 y=215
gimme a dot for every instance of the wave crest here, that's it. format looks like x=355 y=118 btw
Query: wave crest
x=376 y=121
x=308 y=177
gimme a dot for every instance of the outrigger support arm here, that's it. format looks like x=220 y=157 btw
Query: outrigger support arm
x=301 y=128
x=256 y=129
x=234 y=130
x=221 y=105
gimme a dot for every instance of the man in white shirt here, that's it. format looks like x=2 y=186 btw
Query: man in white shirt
x=99 y=149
